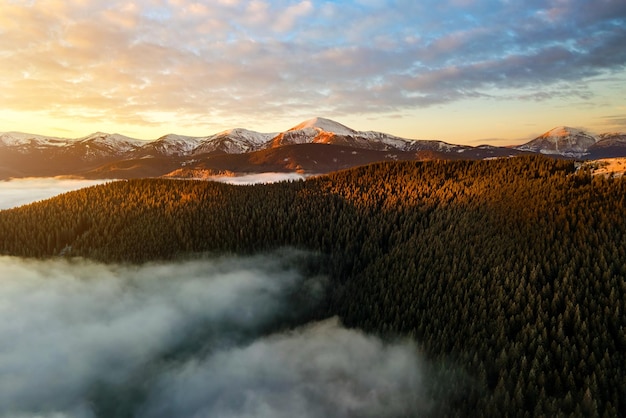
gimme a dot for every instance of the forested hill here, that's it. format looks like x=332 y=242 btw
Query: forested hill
x=512 y=270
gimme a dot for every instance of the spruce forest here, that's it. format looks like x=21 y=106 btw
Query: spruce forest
x=510 y=274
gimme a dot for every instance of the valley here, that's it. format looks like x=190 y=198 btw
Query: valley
x=507 y=273
x=312 y=209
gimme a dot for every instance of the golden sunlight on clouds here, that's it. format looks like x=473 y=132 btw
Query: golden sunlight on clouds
x=150 y=67
x=127 y=17
x=290 y=16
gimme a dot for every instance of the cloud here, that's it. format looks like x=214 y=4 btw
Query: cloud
x=616 y=122
x=19 y=192
x=290 y=16
x=145 y=62
x=194 y=338
x=321 y=370
x=258 y=178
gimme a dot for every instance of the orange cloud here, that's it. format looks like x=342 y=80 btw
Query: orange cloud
x=189 y=60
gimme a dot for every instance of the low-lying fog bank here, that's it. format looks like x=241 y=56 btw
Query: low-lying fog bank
x=19 y=192
x=193 y=338
x=258 y=178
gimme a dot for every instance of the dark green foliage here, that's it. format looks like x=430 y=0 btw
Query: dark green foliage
x=514 y=270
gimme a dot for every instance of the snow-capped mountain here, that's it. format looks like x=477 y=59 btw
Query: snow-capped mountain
x=315 y=146
x=115 y=142
x=608 y=145
x=168 y=145
x=234 y=141
x=562 y=140
x=101 y=145
x=24 y=140
x=317 y=130
x=324 y=125
x=326 y=131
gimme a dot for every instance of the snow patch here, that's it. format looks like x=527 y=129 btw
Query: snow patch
x=17 y=139
x=326 y=125
x=562 y=140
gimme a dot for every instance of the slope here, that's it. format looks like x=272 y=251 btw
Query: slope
x=563 y=140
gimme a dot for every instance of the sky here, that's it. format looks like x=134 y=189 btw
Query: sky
x=462 y=71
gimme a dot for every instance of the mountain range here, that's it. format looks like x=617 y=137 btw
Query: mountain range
x=315 y=146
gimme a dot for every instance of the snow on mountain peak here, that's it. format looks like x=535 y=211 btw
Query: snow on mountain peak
x=562 y=131
x=173 y=144
x=13 y=139
x=115 y=143
x=326 y=125
x=103 y=137
x=561 y=140
x=94 y=135
x=252 y=137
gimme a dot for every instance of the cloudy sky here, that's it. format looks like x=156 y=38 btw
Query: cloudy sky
x=458 y=70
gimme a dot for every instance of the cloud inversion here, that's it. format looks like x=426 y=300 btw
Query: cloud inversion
x=194 y=338
x=19 y=192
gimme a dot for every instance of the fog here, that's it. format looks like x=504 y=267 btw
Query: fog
x=195 y=338
x=258 y=178
x=19 y=192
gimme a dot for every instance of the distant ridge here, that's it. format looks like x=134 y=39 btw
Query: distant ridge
x=330 y=146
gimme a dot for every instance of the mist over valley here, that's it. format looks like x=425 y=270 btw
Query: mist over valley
x=182 y=236
x=402 y=288
x=191 y=338
x=22 y=191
